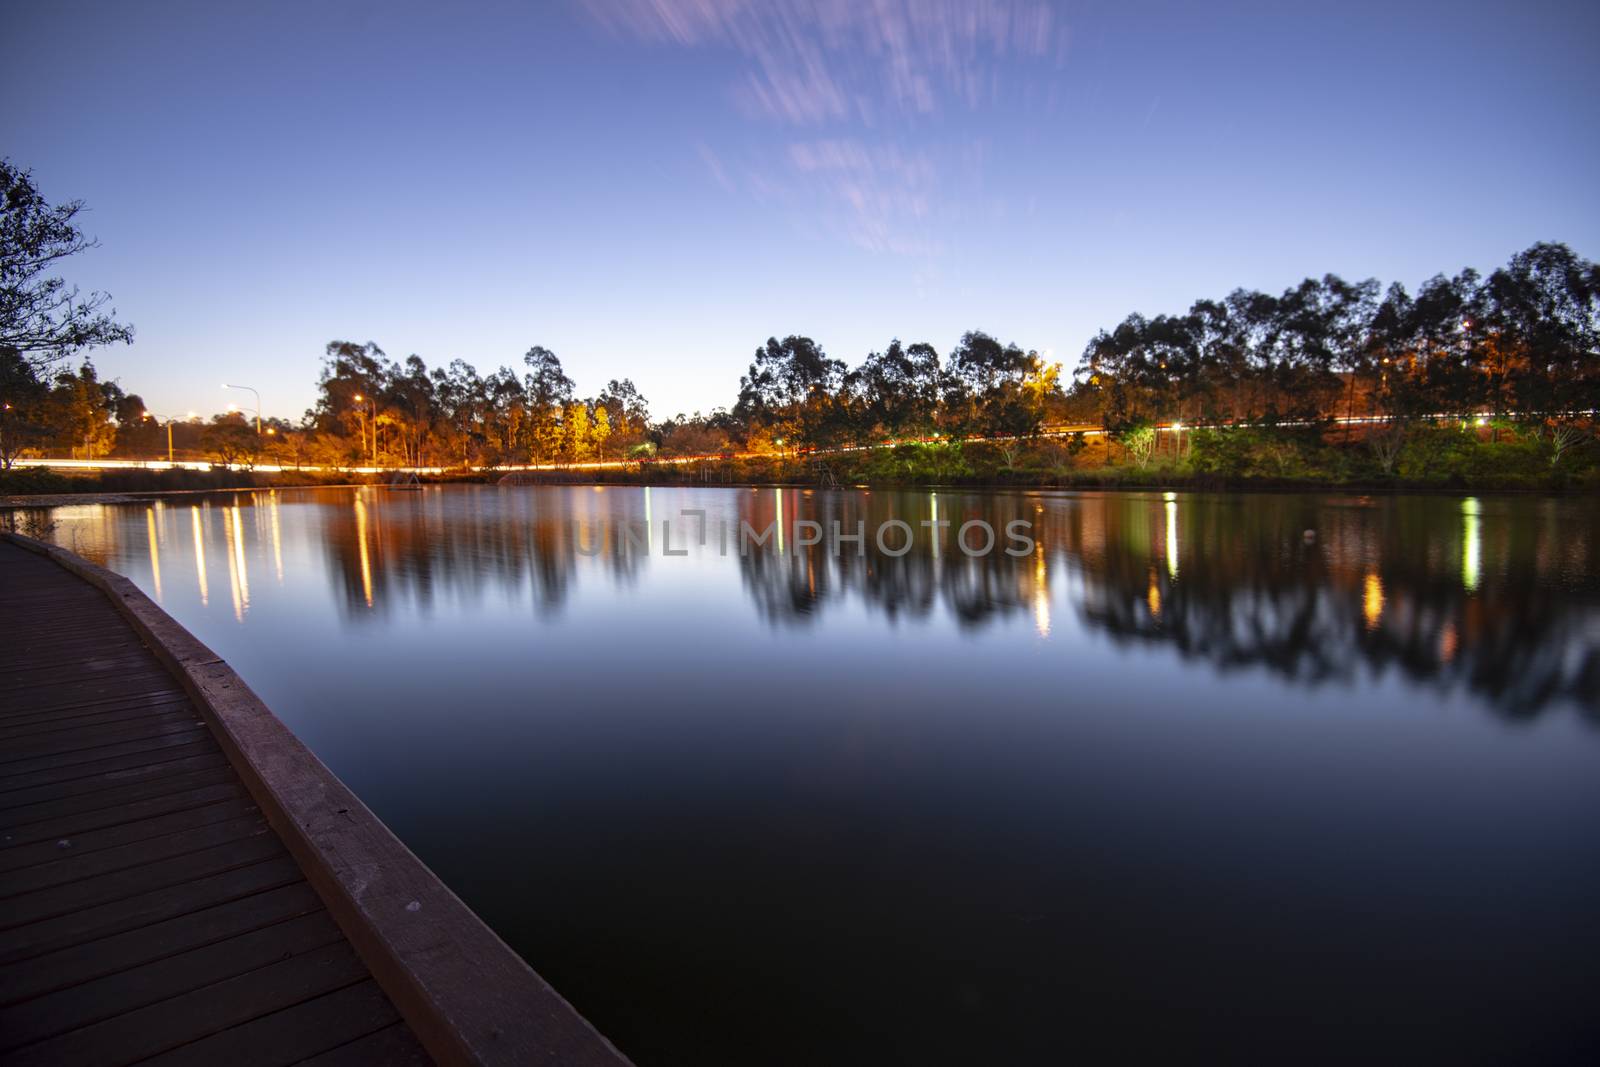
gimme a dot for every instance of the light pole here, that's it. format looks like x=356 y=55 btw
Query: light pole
x=364 y=401
x=170 y=420
x=247 y=389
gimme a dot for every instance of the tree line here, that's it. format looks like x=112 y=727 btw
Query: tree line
x=1520 y=347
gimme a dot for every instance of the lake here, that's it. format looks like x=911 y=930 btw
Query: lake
x=1284 y=778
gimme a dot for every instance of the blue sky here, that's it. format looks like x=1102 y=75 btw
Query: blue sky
x=653 y=187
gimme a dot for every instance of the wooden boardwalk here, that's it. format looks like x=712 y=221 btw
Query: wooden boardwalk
x=148 y=913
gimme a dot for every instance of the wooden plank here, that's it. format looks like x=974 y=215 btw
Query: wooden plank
x=77 y=824
x=100 y=752
x=78 y=964
x=159 y=725
x=109 y=780
x=27 y=908
x=78 y=689
x=94 y=840
x=74 y=772
x=294 y=1034
x=92 y=924
x=79 y=1005
x=106 y=861
x=55 y=722
x=20 y=659
x=133 y=700
x=183 y=1019
x=101 y=662
x=115 y=801
x=393 y=1046
x=67 y=736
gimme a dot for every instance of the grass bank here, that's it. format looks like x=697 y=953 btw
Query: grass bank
x=1427 y=458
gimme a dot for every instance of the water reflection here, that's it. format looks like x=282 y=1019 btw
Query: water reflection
x=1497 y=599
x=200 y=553
x=1187 y=757
x=155 y=550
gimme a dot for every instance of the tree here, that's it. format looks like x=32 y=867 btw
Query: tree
x=412 y=401
x=232 y=440
x=505 y=413
x=24 y=419
x=548 y=391
x=695 y=435
x=599 y=431
x=791 y=389
x=627 y=413
x=350 y=370
x=576 y=433
x=83 y=406
x=464 y=402
x=897 y=390
x=42 y=318
x=1540 y=321
x=1139 y=438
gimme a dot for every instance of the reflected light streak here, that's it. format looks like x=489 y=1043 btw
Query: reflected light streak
x=238 y=552
x=1372 y=600
x=1153 y=598
x=1041 y=591
x=933 y=504
x=649 y=526
x=777 y=494
x=155 y=553
x=1471 y=544
x=231 y=551
x=199 y=554
x=277 y=536
x=361 y=542
x=1172 y=535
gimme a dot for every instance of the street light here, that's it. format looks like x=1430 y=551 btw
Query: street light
x=170 y=420
x=363 y=413
x=247 y=389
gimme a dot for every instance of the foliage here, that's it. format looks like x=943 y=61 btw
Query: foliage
x=1138 y=439
x=927 y=463
x=1247 y=452
x=232 y=441
x=43 y=320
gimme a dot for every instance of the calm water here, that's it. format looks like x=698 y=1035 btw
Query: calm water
x=1185 y=780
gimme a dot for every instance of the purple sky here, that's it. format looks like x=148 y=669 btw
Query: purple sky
x=653 y=187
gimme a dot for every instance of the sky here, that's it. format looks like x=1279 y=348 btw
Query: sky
x=651 y=188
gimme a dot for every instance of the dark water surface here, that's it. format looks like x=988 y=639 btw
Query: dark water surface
x=1183 y=782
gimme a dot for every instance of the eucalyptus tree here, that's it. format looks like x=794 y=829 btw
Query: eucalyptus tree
x=463 y=402
x=792 y=390
x=548 y=391
x=986 y=386
x=627 y=414
x=897 y=390
x=1541 y=321
x=505 y=415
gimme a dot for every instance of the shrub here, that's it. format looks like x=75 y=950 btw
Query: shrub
x=1256 y=452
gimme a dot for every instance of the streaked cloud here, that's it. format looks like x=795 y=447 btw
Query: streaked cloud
x=853 y=60
x=874 y=92
x=887 y=194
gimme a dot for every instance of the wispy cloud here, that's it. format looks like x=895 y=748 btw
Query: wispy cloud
x=869 y=82
x=839 y=60
x=887 y=193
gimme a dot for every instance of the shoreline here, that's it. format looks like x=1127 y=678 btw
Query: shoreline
x=49 y=501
